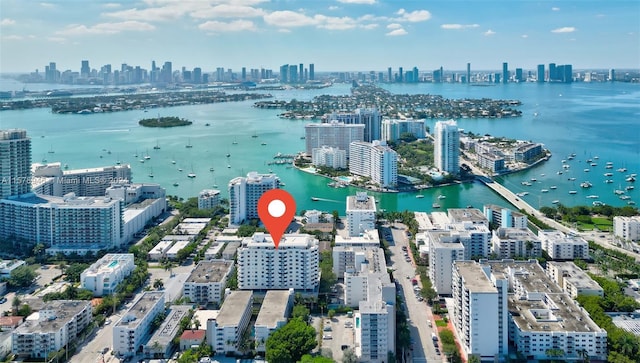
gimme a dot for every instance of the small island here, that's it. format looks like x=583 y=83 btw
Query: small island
x=169 y=121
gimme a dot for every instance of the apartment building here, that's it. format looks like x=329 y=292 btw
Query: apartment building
x=443 y=251
x=333 y=134
x=369 y=117
x=104 y=275
x=560 y=246
x=160 y=345
x=515 y=242
x=367 y=278
x=225 y=331
x=244 y=194
x=89 y=182
x=208 y=199
x=274 y=312
x=15 y=163
x=374 y=160
x=375 y=336
x=504 y=217
x=392 y=130
x=294 y=264
x=207 y=282
x=361 y=213
x=331 y=157
x=133 y=330
x=446 y=152
x=51 y=328
x=627 y=228
x=572 y=279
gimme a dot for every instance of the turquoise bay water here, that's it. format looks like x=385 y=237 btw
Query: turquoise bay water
x=600 y=119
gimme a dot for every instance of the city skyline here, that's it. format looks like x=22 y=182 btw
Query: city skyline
x=379 y=33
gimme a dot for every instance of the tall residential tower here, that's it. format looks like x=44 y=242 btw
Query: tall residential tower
x=15 y=163
x=447 y=146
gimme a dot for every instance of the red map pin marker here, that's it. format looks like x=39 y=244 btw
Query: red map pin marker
x=276 y=209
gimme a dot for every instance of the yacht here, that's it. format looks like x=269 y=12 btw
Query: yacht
x=545 y=191
x=608 y=181
x=441 y=196
x=175 y=184
x=419 y=196
x=572 y=179
x=630 y=179
x=573 y=192
x=315 y=199
x=597 y=203
x=188 y=145
x=179 y=169
x=553 y=187
x=586 y=184
x=629 y=187
x=625 y=197
x=559 y=173
x=622 y=170
x=435 y=205
x=586 y=170
x=211 y=170
x=593 y=196
x=608 y=174
x=191 y=175
x=534 y=179
x=594 y=164
x=555 y=202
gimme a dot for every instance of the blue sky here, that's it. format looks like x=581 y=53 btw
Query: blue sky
x=349 y=35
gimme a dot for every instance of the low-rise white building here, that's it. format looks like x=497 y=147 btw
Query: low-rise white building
x=294 y=264
x=133 y=329
x=515 y=242
x=331 y=157
x=627 y=228
x=160 y=345
x=361 y=213
x=172 y=252
x=369 y=238
x=274 y=311
x=208 y=199
x=104 y=275
x=159 y=251
x=50 y=329
x=207 y=282
x=225 y=331
x=6 y=266
x=560 y=246
x=572 y=279
x=505 y=217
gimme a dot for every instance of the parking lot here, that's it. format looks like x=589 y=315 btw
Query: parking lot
x=335 y=334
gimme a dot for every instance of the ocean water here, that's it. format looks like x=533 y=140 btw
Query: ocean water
x=588 y=119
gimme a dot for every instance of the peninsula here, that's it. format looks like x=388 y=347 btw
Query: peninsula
x=169 y=121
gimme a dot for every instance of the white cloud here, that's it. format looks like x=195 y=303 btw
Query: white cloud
x=335 y=23
x=357 y=1
x=397 y=32
x=106 y=28
x=223 y=27
x=11 y=37
x=333 y=7
x=7 y=21
x=369 y=26
x=57 y=39
x=284 y=30
x=414 y=16
x=459 y=26
x=525 y=36
x=228 y=11
x=47 y=5
x=555 y=9
x=566 y=29
x=288 y=19
x=394 y=26
x=489 y=32
x=167 y=12
x=111 y=5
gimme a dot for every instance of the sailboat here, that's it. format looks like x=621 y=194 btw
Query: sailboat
x=151 y=173
x=191 y=174
x=157 y=147
x=255 y=134
x=173 y=161
x=146 y=156
x=51 y=150
x=188 y=145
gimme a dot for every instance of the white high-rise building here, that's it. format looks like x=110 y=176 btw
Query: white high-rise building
x=208 y=199
x=244 y=194
x=627 y=228
x=274 y=311
x=224 y=333
x=560 y=246
x=50 y=329
x=103 y=276
x=329 y=156
x=443 y=251
x=375 y=160
x=15 y=163
x=515 y=242
x=90 y=182
x=293 y=265
x=369 y=117
x=134 y=328
x=333 y=134
x=375 y=337
x=476 y=239
x=446 y=152
x=392 y=130
x=361 y=213
x=479 y=314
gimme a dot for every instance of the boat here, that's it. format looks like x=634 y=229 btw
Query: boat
x=228 y=166
x=179 y=169
x=559 y=173
x=545 y=191
x=566 y=166
x=608 y=174
x=173 y=161
x=630 y=179
x=228 y=155
x=211 y=170
x=597 y=203
x=146 y=156
x=618 y=192
x=586 y=170
x=66 y=166
x=435 y=205
x=175 y=184
x=191 y=175
x=622 y=170
x=596 y=157
x=608 y=181
x=526 y=183
x=573 y=192
x=441 y=196
x=555 y=202
x=522 y=194
x=302 y=137
x=188 y=145
x=234 y=143
x=207 y=124
x=51 y=150
x=151 y=173
x=314 y=199
x=593 y=196
x=594 y=164
x=534 y=179
x=419 y=196
x=141 y=160
x=553 y=187
x=608 y=166
x=157 y=147
x=254 y=135
x=572 y=179
x=564 y=161
x=625 y=197
x=631 y=202
x=629 y=187
x=586 y=184
x=264 y=143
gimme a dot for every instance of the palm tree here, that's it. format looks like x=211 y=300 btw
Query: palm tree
x=15 y=304
x=196 y=324
x=584 y=354
x=158 y=284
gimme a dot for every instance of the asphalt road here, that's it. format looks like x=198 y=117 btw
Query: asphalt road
x=419 y=312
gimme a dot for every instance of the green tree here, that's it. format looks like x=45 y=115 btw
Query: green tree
x=188 y=356
x=331 y=313
x=301 y=312
x=22 y=276
x=290 y=342
x=73 y=271
x=158 y=284
x=349 y=356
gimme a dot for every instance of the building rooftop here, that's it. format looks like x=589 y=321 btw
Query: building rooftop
x=95 y=170
x=274 y=308
x=109 y=262
x=134 y=315
x=170 y=326
x=496 y=207
x=68 y=201
x=370 y=237
x=233 y=308
x=52 y=317
x=577 y=276
x=537 y=303
x=475 y=280
x=467 y=215
x=262 y=240
x=361 y=202
x=628 y=322
x=515 y=234
x=191 y=334
x=210 y=271
x=424 y=223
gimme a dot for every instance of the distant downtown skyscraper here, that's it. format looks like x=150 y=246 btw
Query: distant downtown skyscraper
x=505 y=72
x=15 y=163
x=468 y=72
x=447 y=147
x=540 y=74
x=369 y=117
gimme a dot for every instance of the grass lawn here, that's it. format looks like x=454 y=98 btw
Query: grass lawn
x=603 y=224
x=440 y=323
